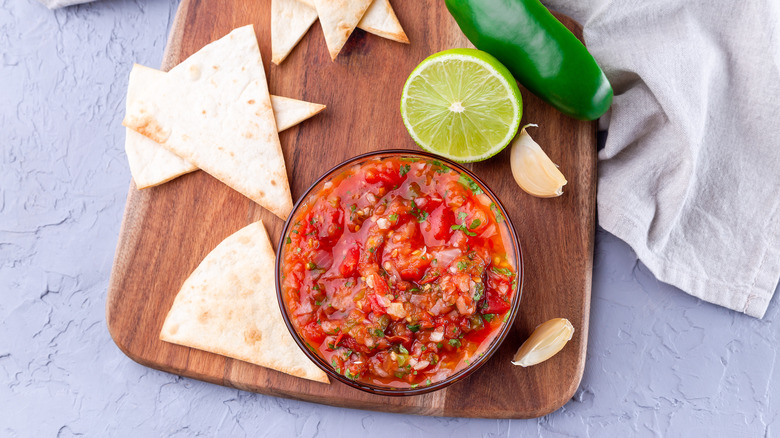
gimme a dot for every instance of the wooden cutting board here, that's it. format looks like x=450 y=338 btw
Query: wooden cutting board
x=168 y=230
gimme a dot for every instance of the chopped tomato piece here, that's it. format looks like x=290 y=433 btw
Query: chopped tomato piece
x=348 y=266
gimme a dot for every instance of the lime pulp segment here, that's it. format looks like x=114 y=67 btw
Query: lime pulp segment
x=460 y=104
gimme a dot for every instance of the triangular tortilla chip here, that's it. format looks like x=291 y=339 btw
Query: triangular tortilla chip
x=222 y=103
x=380 y=20
x=152 y=164
x=290 y=20
x=338 y=19
x=289 y=112
x=228 y=306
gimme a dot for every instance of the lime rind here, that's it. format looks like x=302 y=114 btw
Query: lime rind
x=435 y=118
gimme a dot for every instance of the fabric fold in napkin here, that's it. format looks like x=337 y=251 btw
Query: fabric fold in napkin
x=690 y=172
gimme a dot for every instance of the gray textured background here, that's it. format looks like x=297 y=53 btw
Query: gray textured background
x=659 y=362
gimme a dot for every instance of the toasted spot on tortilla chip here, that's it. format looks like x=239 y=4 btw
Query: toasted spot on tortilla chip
x=148 y=126
x=252 y=336
x=194 y=72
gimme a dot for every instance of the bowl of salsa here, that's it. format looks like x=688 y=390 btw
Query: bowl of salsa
x=399 y=272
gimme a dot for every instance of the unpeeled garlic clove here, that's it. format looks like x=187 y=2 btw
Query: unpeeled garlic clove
x=547 y=339
x=533 y=170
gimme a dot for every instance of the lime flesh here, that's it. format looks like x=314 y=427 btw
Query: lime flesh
x=461 y=104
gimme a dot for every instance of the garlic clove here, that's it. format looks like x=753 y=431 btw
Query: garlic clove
x=533 y=170
x=547 y=339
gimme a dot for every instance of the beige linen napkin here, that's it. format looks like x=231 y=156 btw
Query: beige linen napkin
x=690 y=173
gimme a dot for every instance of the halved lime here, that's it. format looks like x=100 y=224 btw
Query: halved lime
x=461 y=104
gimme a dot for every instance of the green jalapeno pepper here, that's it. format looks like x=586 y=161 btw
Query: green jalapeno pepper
x=541 y=53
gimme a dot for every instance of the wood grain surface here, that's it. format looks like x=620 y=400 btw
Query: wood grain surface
x=168 y=230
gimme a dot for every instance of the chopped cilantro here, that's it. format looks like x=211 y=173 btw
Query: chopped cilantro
x=348 y=284
x=336 y=366
x=462 y=265
x=353 y=207
x=462 y=215
x=463 y=228
x=439 y=345
x=313 y=220
x=479 y=291
x=288 y=241
x=317 y=303
x=488 y=316
x=298 y=250
x=421 y=215
x=496 y=212
x=442 y=168
x=394 y=217
x=502 y=271
x=428 y=381
x=311 y=266
x=371 y=250
x=350 y=376
x=403 y=349
x=405 y=168
x=467 y=362
x=470 y=184
x=475 y=223
x=455 y=343
x=413 y=328
x=316 y=287
x=378 y=333
x=414 y=385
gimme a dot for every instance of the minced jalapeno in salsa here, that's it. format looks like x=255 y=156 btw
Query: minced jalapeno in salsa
x=398 y=271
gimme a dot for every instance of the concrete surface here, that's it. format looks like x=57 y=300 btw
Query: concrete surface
x=660 y=363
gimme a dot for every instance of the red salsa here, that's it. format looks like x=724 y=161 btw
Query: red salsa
x=398 y=271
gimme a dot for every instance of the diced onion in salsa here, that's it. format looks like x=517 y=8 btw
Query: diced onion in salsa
x=398 y=272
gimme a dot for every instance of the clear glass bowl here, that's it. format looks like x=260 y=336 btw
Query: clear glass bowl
x=388 y=390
